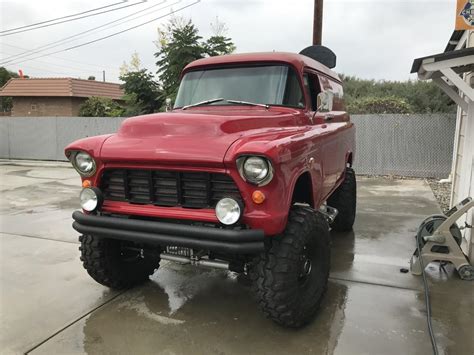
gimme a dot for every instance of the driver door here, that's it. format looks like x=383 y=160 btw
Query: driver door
x=322 y=120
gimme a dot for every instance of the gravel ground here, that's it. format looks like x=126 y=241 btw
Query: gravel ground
x=442 y=191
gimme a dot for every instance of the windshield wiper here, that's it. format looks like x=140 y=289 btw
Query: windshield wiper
x=248 y=103
x=206 y=102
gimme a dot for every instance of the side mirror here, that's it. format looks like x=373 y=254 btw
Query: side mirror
x=325 y=101
x=168 y=104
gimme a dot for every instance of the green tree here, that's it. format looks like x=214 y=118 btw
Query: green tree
x=6 y=103
x=132 y=106
x=100 y=107
x=218 y=43
x=6 y=75
x=178 y=45
x=133 y=65
x=143 y=91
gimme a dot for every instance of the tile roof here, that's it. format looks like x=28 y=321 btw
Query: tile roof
x=62 y=87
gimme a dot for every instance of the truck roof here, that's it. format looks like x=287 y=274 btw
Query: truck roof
x=297 y=60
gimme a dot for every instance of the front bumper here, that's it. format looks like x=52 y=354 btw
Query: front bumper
x=227 y=241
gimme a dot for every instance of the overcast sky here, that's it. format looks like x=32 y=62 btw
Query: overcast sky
x=376 y=39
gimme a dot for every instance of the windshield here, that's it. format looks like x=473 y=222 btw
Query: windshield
x=269 y=84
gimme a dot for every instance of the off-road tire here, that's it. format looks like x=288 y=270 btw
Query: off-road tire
x=104 y=261
x=344 y=199
x=276 y=273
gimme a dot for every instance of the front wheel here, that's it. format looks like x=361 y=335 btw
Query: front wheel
x=116 y=264
x=290 y=277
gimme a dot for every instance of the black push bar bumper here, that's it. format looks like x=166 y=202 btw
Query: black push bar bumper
x=248 y=241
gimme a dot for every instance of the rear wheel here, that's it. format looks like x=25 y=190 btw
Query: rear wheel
x=344 y=199
x=116 y=264
x=290 y=277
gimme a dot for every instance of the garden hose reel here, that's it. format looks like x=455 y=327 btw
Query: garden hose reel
x=439 y=239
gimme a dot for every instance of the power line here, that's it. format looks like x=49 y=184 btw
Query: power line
x=46 y=70
x=58 y=43
x=63 y=17
x=73 y=19
x=76 y=69
x=65 y=59
x=113 y=34
x=78 y=74
x=61 y=41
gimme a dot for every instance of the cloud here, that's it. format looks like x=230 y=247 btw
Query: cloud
x=373 y=39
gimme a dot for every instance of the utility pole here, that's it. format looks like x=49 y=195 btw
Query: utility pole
x=317 y=22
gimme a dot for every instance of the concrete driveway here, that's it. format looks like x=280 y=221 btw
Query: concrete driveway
x=49 y=305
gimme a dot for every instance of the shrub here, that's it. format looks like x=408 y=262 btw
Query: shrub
x=100 y=107
x=389 y=104
x=422 y=96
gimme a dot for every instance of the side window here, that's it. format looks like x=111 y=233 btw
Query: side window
x=336 y=89
x=293 y=95
x=312 y=87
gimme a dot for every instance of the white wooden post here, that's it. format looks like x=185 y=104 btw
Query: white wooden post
x=466 y=184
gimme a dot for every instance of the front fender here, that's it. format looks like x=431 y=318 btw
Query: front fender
x=92 y=146
x=288 y=152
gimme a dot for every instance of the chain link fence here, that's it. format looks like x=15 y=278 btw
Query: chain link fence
x=416 y=145
x=408 y=145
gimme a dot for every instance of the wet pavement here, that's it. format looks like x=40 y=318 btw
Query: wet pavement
x=49 y=305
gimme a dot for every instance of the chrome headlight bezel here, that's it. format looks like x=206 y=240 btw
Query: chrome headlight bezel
x=73 y=157
x=244 y=175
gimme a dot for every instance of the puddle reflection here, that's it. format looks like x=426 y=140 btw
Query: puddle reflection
x=195 y=310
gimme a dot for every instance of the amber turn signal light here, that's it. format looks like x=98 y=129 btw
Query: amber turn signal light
x=258 y=197
x=86 y=184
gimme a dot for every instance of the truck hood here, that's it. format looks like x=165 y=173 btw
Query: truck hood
x=193 y=138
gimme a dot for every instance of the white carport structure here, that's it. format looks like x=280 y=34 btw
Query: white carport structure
x=452 y=72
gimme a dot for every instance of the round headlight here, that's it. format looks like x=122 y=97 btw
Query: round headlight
x=90 y=199
x=84 y=163
x=256 y=169
x=228 y=211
